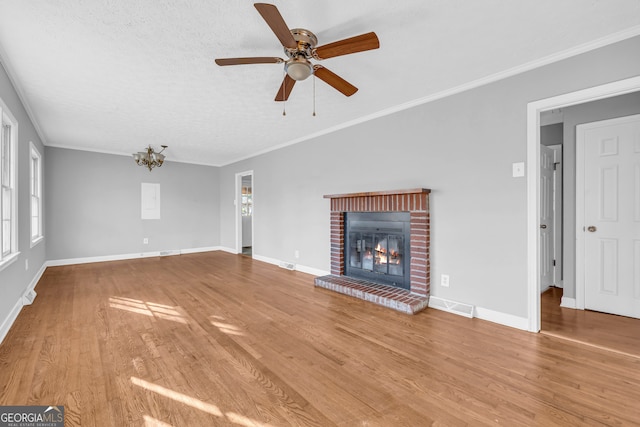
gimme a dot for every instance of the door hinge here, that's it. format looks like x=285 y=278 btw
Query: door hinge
x=554 y=262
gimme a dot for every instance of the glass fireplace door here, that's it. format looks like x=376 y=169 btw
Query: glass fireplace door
x=377 y=247
x=388 y=254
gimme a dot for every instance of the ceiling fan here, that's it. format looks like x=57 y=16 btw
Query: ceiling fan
x=300 y=47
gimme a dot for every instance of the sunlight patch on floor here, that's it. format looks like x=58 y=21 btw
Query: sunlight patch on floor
x=150 y=309
x=178 y=397
x=152 y=422
x=227 y=328
x=194 y=403
x=244 y=421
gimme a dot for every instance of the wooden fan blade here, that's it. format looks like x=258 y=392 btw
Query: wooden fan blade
x=275 y=21
x=332 y=79
x=254 y=60
x=355 y=44
x=285 y=88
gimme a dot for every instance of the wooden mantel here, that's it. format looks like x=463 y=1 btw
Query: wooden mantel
x=378 y=193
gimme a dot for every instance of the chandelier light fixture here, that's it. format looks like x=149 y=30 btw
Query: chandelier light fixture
x=150 y=158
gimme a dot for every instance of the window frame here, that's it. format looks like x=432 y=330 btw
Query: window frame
x=36 y=186
x=11 y=183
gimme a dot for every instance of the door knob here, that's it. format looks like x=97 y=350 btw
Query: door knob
x=543 y=226
x=591 y=228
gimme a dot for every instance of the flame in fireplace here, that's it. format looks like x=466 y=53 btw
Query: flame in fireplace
x=384 y=257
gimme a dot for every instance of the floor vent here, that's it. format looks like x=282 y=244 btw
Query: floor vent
x=288 y=265
x=459 y=308
x=28 y=297
x=169 y=253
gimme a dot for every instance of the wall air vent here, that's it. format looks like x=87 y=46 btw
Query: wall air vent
x=28 y=297
x=454 y=307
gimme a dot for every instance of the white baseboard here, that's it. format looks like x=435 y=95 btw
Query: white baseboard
x=505 y=319
x=298 y=267
x=568 y=303
x=227 y=249
x=15 y=311
x=105 y=258
x=198 y=250
x=8 y=321
x=311 y=270
x=266 y=259
x=502 y=318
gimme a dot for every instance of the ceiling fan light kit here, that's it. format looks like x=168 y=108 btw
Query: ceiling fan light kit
x=298 y=68
x=300 y=48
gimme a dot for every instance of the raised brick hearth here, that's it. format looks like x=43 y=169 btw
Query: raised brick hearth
x=414 y=201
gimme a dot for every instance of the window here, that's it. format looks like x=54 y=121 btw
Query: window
x=247 y=201
x=36 y=195
x=8 y=218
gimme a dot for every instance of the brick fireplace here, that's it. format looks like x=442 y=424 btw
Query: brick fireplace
x=413 y=201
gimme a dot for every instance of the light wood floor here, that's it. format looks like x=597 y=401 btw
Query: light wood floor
x=614 y=333
x=219 y=339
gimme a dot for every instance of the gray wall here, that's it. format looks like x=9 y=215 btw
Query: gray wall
x=461 y=147
x=551 y=134
x=93 y=205
x=15 y=279
x=619 y=106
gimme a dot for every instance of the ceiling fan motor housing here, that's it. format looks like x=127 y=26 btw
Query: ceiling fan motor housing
x=298 y=66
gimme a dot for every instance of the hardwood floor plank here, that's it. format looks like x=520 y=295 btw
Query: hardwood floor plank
x=220 y=339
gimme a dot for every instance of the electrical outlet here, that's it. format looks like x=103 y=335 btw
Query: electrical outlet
x=145 y=241
x=296 y=254
x=444 y=280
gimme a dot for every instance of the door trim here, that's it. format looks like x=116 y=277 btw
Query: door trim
x=534 y=109
x=580 y=210
x=238 y=211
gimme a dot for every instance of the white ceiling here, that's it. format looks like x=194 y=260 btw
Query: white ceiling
x=116 y=75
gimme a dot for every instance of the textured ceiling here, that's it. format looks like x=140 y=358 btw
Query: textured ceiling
x=116 y=75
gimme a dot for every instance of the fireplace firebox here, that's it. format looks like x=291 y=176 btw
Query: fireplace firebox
x=377 y=247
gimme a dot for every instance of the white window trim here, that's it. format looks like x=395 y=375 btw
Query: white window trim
x=9 y=260
x=35 y=154
x=5 y=115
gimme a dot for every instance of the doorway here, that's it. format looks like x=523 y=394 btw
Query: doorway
x=534 y=111
x=244 y=213
x=564 y=314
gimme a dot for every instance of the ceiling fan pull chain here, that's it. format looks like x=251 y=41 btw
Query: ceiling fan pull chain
x=284 y=98
x=314 y=95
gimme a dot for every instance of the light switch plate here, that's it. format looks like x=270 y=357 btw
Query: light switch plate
x=518 y=169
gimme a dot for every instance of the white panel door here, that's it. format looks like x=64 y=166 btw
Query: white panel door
x=610 y=181
x=546 y=217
